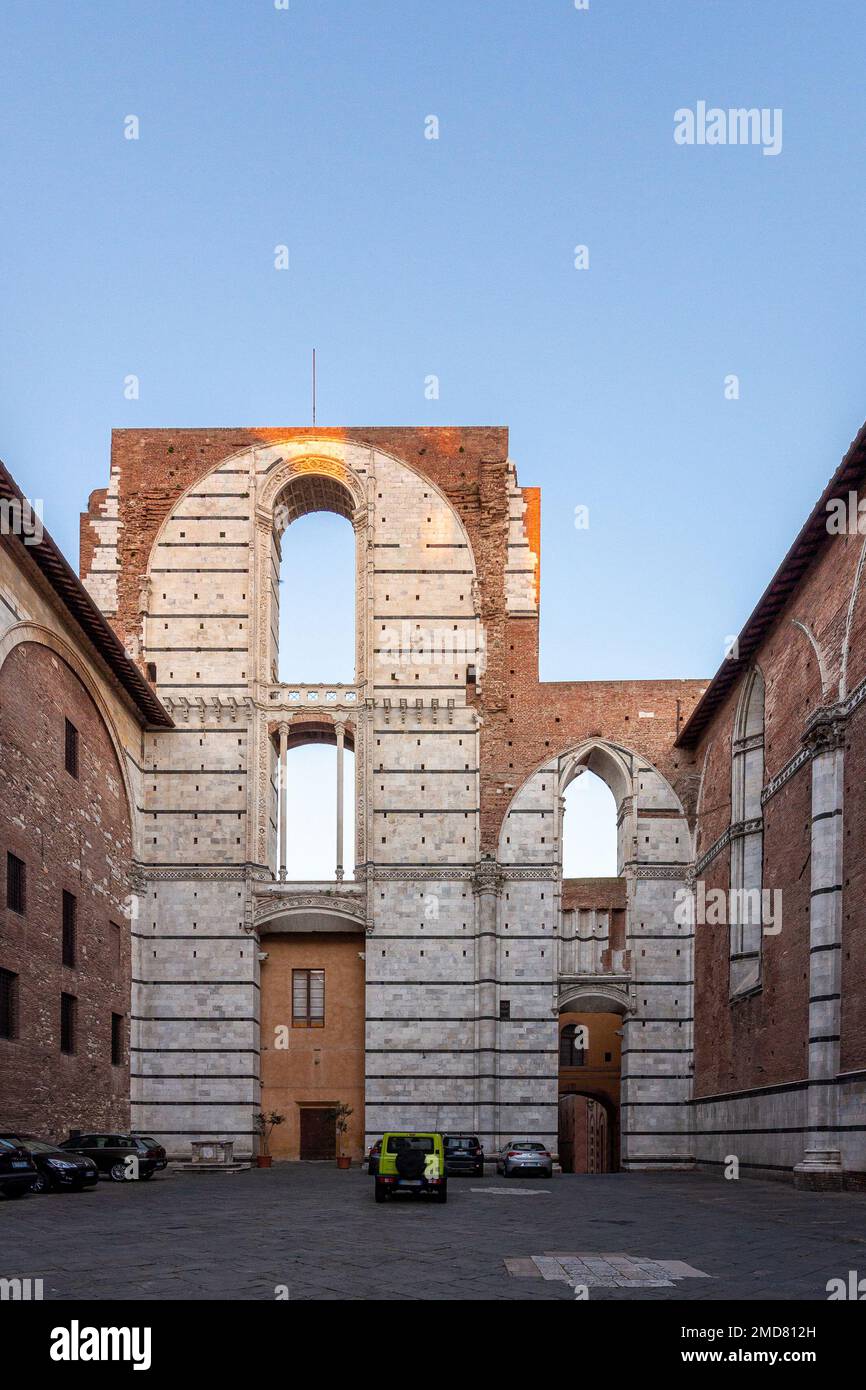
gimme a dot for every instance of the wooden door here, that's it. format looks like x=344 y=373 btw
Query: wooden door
x=318 y=1132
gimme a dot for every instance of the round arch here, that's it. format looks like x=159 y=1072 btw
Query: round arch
x=601 y=998
x=310 y=917
x=22 y=633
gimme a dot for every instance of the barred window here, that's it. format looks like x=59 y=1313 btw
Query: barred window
x=16 y=883
x=71 y=749
x=308 y=998
x=70 y=921
x=8 y=1004
x=68 y=1020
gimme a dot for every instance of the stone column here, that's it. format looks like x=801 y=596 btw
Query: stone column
x=341 y=732
x=284 y=742
x=487 y=887
x=821 y=1166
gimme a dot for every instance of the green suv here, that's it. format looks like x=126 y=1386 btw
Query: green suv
x=413 y=1163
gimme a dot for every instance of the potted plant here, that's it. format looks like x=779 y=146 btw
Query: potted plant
x=341 y=1122
x=264 y=1127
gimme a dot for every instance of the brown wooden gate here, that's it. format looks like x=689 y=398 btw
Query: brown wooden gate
x=318 y=1132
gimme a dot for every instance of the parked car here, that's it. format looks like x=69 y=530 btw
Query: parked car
x=110 y=1152
x=55 y=1169
x=17 y=1169
x=413 y=1163
x=373 y=1158
x=524 y=1156
x=152 y=1150
x=464 y=1154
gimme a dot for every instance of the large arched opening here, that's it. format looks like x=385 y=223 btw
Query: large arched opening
x=590 y=1062
x=593 y=944
x=313 y=621
x=313 y=779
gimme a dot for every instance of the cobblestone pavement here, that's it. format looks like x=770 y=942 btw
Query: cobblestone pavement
x=318 y=1233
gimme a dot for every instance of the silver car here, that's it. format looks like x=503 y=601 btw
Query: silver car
x=524 y=1156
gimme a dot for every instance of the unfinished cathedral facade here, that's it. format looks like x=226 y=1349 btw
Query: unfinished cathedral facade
x=454 y=979
x=447 y=962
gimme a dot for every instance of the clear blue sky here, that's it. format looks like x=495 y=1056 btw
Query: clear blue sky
x=455 y=257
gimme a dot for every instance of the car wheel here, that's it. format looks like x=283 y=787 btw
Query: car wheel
x=15 y=1191
x=118 y=1172
x=442 y=1194
x=40 y=1184
x=147 y=1175
x=381 y=1193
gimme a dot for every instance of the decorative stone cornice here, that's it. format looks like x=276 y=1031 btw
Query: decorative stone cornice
x=785 y=774
x=674 y=871
x=177 y=875
x=511 y=873
x=733 y=832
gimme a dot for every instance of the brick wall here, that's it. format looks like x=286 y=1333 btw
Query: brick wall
x=72 y=834
x=752 y=1053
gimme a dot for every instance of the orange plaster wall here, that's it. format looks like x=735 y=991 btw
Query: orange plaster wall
x=323 y=1066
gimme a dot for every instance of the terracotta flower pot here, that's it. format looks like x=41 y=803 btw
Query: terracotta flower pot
x=344 y=1161
x=263 y=1160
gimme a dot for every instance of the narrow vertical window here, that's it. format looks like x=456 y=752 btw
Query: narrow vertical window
x=117 y=1040
x=308 y=998
x=8 y=1004
x=70 y=921
x=68 y=1021
x=71 y=749
x=116 y=945
x=16 y=884
x=747 y=838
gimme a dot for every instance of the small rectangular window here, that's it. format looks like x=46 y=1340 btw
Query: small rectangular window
x=68 y=1020
x=117 y=1040
x=504 y=1009
x=8 y=1004
x=16 y=884
x=70 y=915
x=71 y=749
x=308 y=998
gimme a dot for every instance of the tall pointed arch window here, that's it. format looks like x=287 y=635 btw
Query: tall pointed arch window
x=747 y=838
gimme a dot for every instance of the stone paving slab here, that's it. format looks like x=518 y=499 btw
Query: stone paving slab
x=318 y=1231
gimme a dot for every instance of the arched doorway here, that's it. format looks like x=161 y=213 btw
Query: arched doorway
x=590 y=1060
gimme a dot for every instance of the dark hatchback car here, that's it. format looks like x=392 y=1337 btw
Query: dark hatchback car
x=55 y=1170
x=152 y=1150
x=111 y=1154
x=17 y=1169
x=464 y=1154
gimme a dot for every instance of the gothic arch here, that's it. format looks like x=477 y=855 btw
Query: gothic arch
x=819 y=655
x=606 y=760
x=618 y=767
